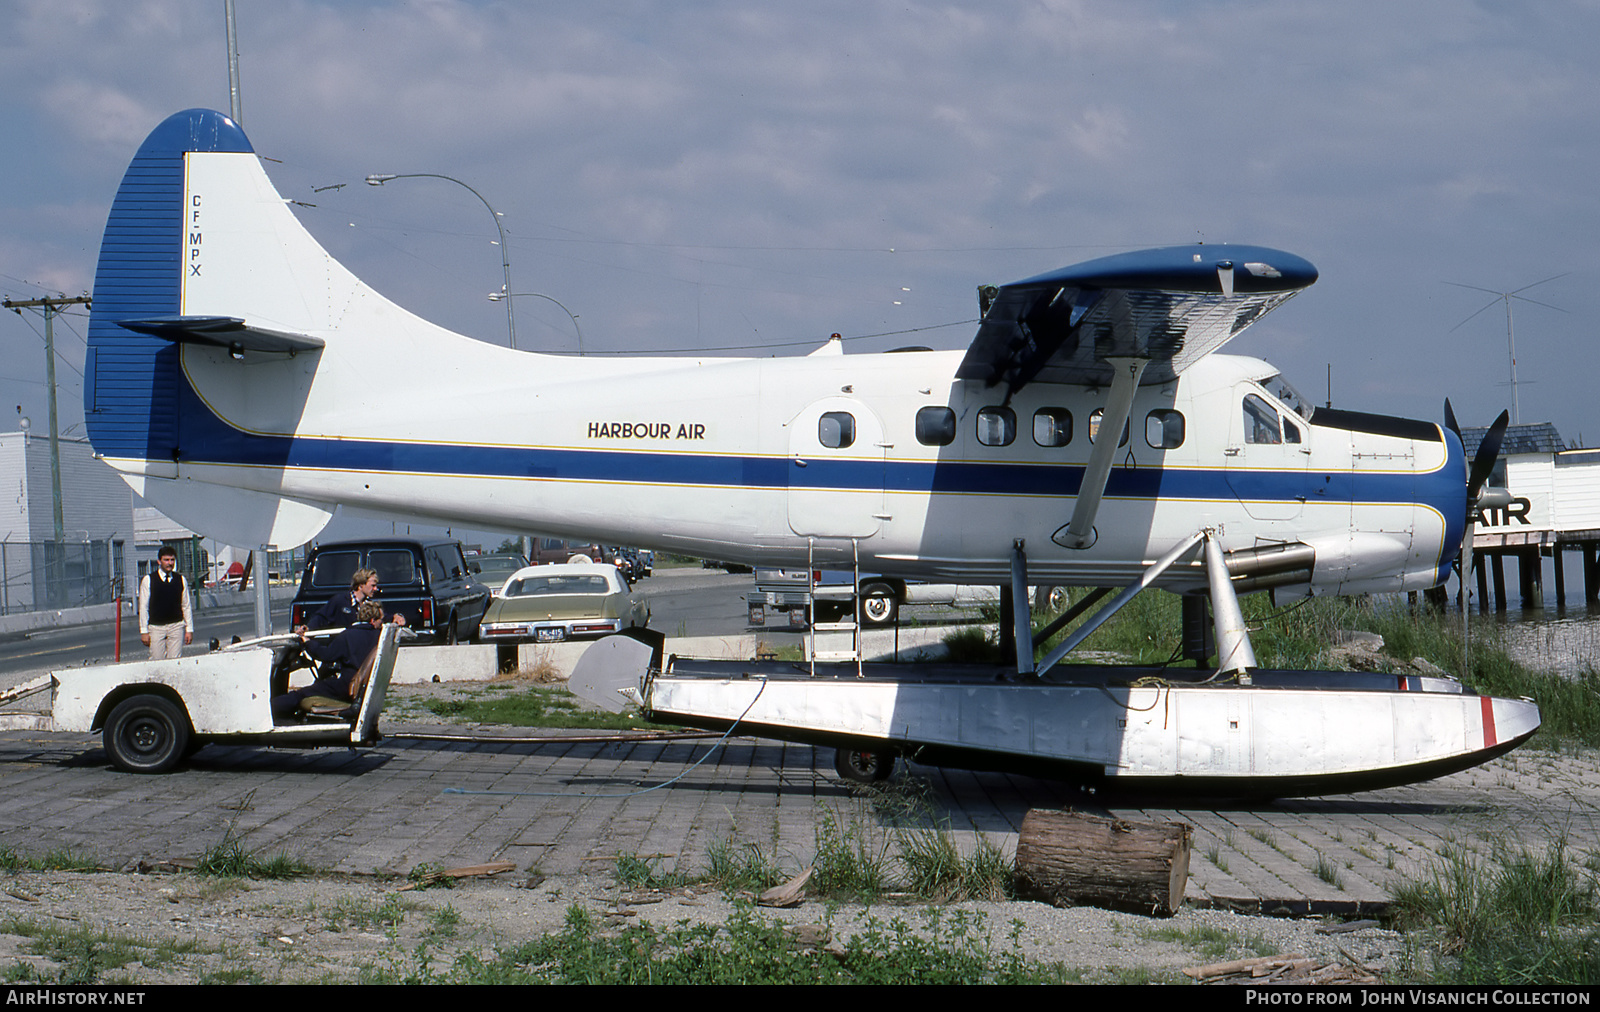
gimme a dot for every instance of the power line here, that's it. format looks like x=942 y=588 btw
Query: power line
x=50 y=307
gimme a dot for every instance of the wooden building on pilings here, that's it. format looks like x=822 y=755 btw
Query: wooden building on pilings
x=1555 y=513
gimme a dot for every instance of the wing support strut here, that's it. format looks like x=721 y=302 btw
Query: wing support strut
x=1079 y=532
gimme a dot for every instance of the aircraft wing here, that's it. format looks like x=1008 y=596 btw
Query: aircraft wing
x=1172 y=305
x=223 y=332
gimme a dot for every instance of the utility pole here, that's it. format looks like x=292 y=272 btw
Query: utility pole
x=50 y=307
x=258 y=553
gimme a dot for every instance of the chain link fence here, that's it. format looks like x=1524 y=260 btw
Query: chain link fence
x=44 y=575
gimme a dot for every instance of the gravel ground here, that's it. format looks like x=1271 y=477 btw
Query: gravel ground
x=169 y=928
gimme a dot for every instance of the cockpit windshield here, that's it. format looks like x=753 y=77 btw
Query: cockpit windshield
x=1287 y=395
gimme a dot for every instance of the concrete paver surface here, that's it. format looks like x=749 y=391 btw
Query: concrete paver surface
x=570 y=808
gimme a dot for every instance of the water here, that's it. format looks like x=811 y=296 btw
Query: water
x=1565 y=640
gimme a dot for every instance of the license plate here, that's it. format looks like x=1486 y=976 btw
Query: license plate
x=549 y=635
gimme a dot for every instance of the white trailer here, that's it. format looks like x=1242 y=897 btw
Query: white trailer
x=154 y=714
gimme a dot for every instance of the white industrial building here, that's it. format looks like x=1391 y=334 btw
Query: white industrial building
x=97 y=558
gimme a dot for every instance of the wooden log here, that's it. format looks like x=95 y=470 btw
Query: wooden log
x=1073 y=859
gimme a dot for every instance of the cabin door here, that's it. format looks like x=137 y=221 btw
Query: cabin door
x=836 y=468
x=1266 y=457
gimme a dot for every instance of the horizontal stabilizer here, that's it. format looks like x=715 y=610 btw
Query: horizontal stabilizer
x=223 y=332
x=235 y=516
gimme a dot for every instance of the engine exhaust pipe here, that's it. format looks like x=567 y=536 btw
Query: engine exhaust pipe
x=1271 y=565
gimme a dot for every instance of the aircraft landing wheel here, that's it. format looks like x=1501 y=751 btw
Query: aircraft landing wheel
x=146 y=734
x=878 y=604
x=862 y=766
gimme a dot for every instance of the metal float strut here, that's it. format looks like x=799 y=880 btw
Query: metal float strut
x=1234 y=654
x=1094 y=622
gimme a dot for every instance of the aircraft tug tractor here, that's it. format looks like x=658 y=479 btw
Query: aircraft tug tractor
x=154 y=714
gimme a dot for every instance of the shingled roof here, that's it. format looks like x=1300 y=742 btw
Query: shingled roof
x=1538 y=437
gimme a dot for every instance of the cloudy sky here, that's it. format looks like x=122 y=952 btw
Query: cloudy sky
x=753 y=176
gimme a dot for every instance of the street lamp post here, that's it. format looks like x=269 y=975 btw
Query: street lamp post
x=497 y=296
x=378 y=179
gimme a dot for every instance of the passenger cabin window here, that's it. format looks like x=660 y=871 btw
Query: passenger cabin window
x=997 y=426
x=1260 y=421
x=1163 y=429
x=936 y=426
x=836 y=429
x=1094 y=427
x=1052 y=426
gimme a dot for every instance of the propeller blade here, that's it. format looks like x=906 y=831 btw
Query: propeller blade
x=1450 y=419
x=1488 y=453
x=1466 y=594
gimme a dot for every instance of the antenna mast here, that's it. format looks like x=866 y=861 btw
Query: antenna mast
x=1511 y=337
x=235 y=106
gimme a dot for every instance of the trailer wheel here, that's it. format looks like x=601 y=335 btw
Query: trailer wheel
x=862 y=766
x=146 y=734
x=879 y=605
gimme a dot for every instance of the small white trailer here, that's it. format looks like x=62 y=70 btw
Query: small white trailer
x=154 y=714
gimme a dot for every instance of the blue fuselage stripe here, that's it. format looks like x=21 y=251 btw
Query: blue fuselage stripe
x=222 y=444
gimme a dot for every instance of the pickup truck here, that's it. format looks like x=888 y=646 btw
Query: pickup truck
x=152 y=715
x=784 y=594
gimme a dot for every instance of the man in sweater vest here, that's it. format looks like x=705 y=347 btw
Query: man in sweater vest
x=166 y=622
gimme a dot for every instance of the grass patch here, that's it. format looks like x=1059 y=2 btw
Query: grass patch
x=635 y=872
x=747 y=949
x=56 y=860
x=533 y=706
x=1209 y=942
x=742 y=867
x=1328 y=872
x=972 y=645
x=852 y=858
x=1515 y=917
x=430 y=875
x=444 y=923
x=230 y=859
x=935 y=869
x=85 y=956
x=367 y=916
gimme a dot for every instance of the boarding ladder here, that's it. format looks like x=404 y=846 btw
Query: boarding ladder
x=833 y=641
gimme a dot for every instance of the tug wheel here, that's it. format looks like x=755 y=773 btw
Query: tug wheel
x=146 y=734
x=862 y=766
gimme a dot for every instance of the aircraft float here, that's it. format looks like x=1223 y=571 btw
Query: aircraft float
x=247 y=384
